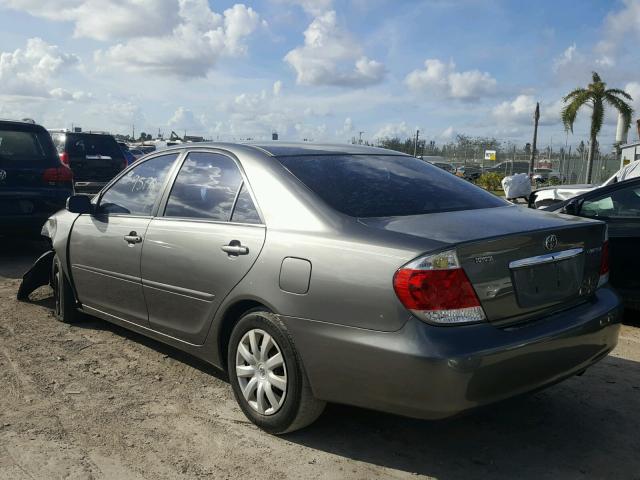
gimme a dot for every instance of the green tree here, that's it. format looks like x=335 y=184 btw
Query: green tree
x=595 y=96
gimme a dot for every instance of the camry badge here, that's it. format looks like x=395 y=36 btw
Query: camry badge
x=551 y=242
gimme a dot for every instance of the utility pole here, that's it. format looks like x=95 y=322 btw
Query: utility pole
x=360 y=139
x=536 y=118
x=133 y=132
x=415 y=146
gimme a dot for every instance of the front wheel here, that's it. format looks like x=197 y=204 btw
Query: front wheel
x=267 y=375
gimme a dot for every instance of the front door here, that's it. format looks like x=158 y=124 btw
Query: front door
x=204 y=243
x=105 y=248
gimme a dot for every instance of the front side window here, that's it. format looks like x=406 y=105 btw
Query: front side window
x=386 y=185
x=206 y=187
x=622 y=203
x=137 y=191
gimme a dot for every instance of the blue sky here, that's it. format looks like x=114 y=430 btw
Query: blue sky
x=321 y=70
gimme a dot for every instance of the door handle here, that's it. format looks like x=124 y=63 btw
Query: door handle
x=235 y=248
x=132 y=238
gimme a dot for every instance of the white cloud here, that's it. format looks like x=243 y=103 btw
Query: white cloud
x=66 y=95
x=633 y=89
x=620 y=26
x=330 y=56
x=118 y=18
x=184 y=119
x=442 y=79
x=448 y=133
x=520 y=111
x=193 y=47
x=574 y=65
x=314 y=7
x=392 y=130
x=28 y=71
x=277 y=87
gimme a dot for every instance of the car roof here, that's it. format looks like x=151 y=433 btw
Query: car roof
x=20 y=123
x=283 y=149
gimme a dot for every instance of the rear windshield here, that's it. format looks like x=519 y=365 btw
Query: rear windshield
x=25 y=146
x=90 y=145
x=385 y=185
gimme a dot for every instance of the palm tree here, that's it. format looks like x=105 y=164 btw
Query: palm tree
x=595 y=96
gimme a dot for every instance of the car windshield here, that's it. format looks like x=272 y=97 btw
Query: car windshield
x=386 y=185
x=24 y=146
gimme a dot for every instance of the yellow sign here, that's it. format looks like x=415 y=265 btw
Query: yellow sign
x=626 y=162
x=490 y=155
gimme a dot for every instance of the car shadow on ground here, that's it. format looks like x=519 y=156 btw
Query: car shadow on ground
x=585 y=427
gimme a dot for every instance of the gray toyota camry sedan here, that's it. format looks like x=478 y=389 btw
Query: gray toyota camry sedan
x=335 y=273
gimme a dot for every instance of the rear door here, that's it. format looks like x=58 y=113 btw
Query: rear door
x=201 y=246
x=94 y=157
x=620 y=208
x=105 y=248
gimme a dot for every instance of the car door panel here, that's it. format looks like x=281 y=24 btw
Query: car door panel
x=105 y=247
x=186 y=274
x=106 y=268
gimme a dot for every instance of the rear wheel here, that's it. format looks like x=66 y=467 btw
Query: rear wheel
x=267 y=375
x=65 y=303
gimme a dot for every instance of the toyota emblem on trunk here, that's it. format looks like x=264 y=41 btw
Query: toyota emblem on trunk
x=551 y=242
x=3 y=175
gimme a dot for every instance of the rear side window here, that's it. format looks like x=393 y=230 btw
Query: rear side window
x=385 y=185
x=206 y=187
x=137 y=191
x=22 y=146
x=245 y=210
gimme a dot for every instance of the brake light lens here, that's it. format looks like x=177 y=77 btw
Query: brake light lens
x=57 y=176
x=604 y=264
x=64 y=158
x=436 y=289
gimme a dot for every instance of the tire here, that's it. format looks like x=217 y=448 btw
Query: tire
x=285 y=410
x=65 y=309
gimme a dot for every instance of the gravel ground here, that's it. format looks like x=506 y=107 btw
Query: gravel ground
x=96 y=401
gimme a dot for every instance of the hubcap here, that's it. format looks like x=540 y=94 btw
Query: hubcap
x=261 y=372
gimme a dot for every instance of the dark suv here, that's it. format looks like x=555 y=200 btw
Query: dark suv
x=33 y=182
x=94 y=158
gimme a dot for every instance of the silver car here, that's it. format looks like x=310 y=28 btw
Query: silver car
x=325 y=273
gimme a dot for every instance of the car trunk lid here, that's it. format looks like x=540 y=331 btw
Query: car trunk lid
x=521 y=262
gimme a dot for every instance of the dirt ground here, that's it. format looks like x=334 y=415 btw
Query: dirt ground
x=95 y=401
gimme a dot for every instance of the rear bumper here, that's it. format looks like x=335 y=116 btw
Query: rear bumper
x=436 y=372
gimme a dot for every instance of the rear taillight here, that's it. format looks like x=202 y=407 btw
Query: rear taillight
x=57 y=176
x=604 y=264
x=436 y=289
x=64 y=158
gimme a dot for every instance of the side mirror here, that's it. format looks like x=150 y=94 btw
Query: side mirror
x=79 y=204
x=571 y=208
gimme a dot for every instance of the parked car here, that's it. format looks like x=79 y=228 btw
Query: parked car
x=617 y=204
x=33 y=182
x=323 y=273
x=128 y=155
x=94 y=158
x=508 y=168
x=469 y=172
x=137 y=153
x=544 y=175
x=447 y=167
x=547 y=196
